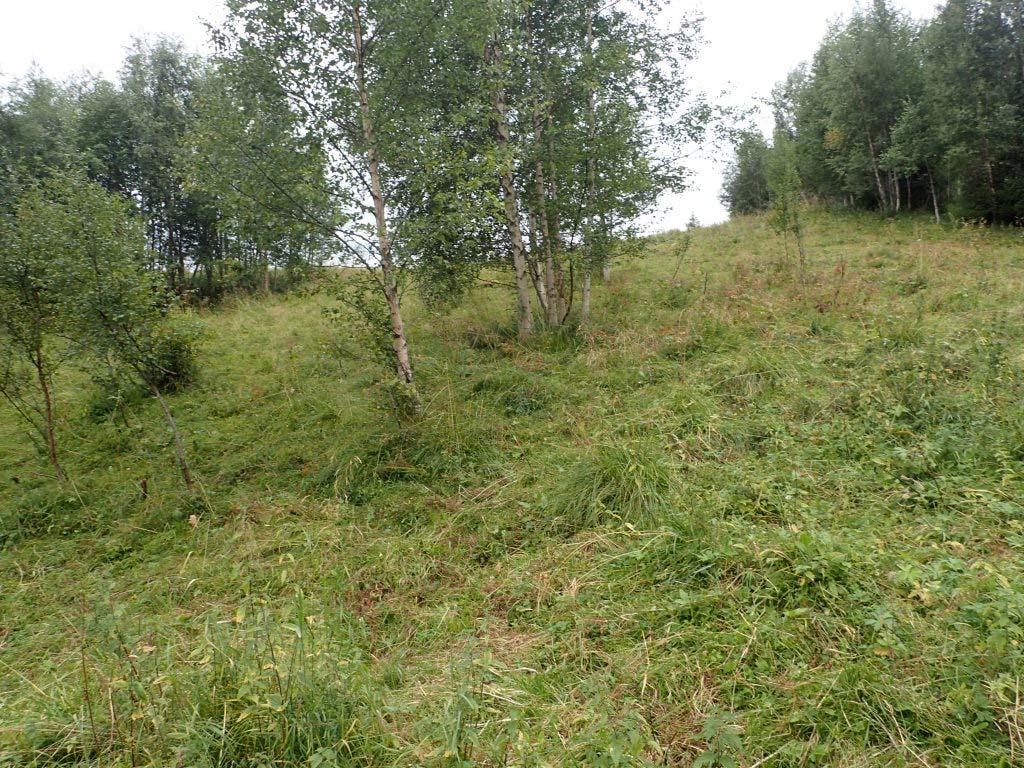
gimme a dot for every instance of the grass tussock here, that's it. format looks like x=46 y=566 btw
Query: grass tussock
x=250 y=693
x=629 y=482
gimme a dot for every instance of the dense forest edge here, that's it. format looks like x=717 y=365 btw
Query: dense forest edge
x=894 y=114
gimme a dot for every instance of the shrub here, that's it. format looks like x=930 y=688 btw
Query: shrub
x=171 y=363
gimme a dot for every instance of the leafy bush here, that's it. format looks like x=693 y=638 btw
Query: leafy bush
x=171 y=364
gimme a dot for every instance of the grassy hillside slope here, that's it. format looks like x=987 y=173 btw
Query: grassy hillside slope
x=739 y=521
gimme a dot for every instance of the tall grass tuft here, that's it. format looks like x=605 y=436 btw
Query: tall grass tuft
x=629 y=482
x=283 y=695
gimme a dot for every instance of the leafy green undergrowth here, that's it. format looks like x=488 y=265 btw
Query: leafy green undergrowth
x=740 y=519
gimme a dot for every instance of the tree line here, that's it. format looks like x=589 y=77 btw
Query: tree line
x=412 y=144
x=895 y=115
x=133 y=138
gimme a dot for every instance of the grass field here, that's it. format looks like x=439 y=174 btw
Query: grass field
x=742 y=519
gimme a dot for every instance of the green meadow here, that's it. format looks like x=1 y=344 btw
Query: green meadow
x=749 y=515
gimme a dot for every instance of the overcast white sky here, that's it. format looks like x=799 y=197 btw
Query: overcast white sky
x=751 y=45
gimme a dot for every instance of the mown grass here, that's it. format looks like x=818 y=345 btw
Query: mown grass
x=740 y=519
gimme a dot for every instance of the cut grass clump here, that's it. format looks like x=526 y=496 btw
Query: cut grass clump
x=515 y=393
x=252 y=695
x=812 y=569
x=629 y=482
x=911 y=284
x=447 y=441
x=707 y=336
x=491 y=336
x=744 y=381
x=448 y=437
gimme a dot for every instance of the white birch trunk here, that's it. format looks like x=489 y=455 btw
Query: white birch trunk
x=398 y=339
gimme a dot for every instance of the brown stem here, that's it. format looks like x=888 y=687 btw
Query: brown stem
x=882 y=197
x=554 y=313
x=179 y=444
x=49 y=414
x=591 y=175
x=935 y=197
x=550 y=288
x=536 y=275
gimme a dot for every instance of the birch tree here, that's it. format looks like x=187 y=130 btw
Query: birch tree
x=610 y=117
x=359 y=78
x=265 y=178
x=509 y=195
